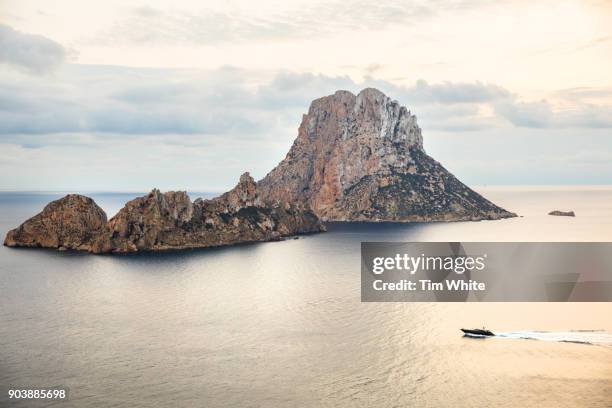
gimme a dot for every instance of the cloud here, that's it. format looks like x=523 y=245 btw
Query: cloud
x=32 y=53
x=526 y=114
x=229 y=102
x=542 y=115
x=130 y=102
x=219 y=102
x=585 y=93
x=444 y=93
x=286 y=21
x=587 y=116
x=449 y=92
x=159 y=102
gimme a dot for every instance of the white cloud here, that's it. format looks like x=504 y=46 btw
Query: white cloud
x=526 y=114
x=279 y=22
x=228 y=101
x=32 y=53
x=542 y=115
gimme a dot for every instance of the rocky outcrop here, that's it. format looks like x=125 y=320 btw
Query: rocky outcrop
x=562 y=213
x=162 y=221
x=68 y=223
x=361 y=158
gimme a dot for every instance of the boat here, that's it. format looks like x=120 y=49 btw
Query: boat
x=478 y=332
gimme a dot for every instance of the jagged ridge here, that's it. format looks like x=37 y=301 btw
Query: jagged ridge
x=163 y=221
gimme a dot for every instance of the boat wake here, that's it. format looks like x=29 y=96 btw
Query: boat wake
x=572 y=336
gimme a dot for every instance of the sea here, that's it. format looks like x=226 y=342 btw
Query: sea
x=281 y=324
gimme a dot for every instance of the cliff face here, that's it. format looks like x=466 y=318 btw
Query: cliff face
x=68 y=223
x=161 y=221
x=361 y=158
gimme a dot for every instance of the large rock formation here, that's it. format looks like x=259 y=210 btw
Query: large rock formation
x=356 y=158
x=68 y=223
x=361 y=158
x=160 y=221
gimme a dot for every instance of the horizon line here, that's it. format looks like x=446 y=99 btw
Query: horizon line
x=204 y=191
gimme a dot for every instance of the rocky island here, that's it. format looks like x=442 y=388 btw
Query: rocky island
x=562 y=213
x=356 y=158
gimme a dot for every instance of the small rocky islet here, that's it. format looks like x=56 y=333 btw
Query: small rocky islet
x=356 y=158
x=559 y=213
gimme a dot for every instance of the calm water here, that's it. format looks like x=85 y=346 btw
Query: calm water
x=281 y=324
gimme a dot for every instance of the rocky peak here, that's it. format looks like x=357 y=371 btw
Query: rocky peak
x=343 y=138
x=243 y=195
x=370 y=111
x=361 y=157
x=176 y=204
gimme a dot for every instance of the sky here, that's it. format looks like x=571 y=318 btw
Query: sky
x=187 y=95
